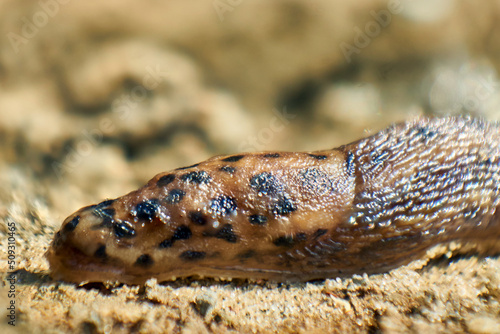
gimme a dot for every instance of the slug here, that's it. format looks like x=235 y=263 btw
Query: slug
x=366 y=207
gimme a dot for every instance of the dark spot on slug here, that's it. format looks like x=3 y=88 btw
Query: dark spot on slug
x=71 y=225
x=103 y=204
x=349 y=161
x=257 y=219
x=167 y=243
x=124 y=230
x=319 y=232
x=106 y=215
x=486 y=162
x=182 y=233
x=265 y=183
x=249 y=253
x=425 y=133
x=187 y=167
x=146 y=210
x=226 y=233
x=196 y=177
x=223 y=205
x=289 y=241
x=100 y=252
x=174 y=196
x=284 y=241
x=318 y=156
x=197 y=218
x=110 y=212
x=271 y=155
x=165 y=180
x=193 y=255
x=144 y=261
x=284 y=206
x=228 y=169
x=233 y=158
x=57 y=240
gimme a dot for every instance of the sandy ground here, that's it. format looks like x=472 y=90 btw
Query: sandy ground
x=96 y=98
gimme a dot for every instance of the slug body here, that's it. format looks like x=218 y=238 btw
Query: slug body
x=369 y=206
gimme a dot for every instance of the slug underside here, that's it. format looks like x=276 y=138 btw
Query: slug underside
x=368 y=207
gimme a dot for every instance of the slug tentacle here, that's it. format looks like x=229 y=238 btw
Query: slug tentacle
x=368 y=207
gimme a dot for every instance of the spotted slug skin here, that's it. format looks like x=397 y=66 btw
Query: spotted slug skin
x=368 y=206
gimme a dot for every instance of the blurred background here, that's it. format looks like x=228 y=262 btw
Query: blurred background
x=98 y=97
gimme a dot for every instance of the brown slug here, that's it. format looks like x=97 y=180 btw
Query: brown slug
x=365 y=207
